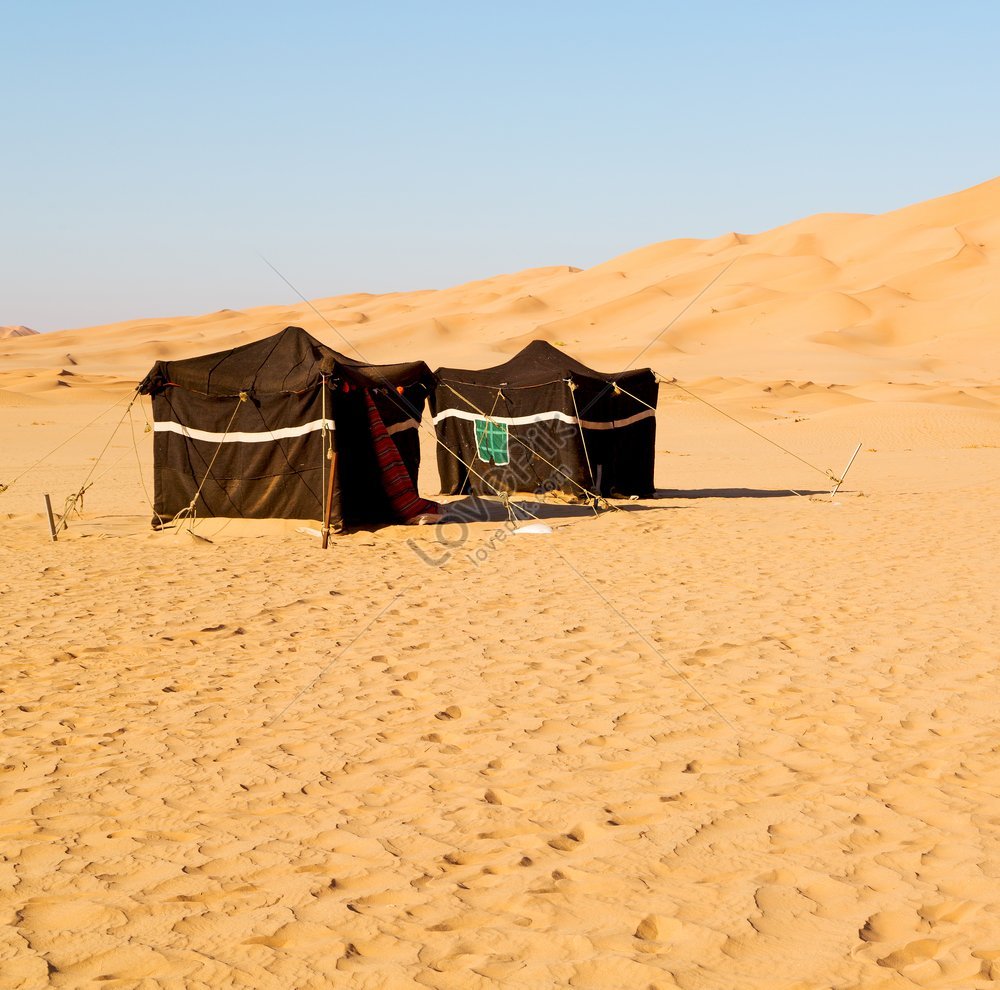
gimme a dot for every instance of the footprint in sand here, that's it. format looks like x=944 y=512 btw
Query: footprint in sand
x=569 y=840
x=922 y=961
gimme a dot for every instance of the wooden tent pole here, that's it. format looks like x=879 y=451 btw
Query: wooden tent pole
x=331 y=482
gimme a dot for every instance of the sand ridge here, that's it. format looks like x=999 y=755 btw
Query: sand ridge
x=910 y=296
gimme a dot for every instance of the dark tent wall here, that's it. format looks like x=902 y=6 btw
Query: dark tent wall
x=544 y=421
x=243 y=431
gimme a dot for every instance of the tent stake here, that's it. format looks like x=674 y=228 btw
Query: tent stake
x=52 y=522
x=836 y=488
x=329 y=500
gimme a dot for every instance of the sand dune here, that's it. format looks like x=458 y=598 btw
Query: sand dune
x=18 y=331
x=868 y=296
x=740 y=735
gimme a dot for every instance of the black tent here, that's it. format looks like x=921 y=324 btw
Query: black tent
x=254 y=431
x=544 y=421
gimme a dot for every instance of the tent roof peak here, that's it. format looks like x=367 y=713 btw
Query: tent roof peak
x=537 y=362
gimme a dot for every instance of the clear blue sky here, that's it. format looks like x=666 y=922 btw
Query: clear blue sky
x=151 y=151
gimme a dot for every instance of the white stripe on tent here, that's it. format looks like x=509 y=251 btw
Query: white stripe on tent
x=617 y=423
x=407 y=424
x=553 y=414
x=169 y=426
x=506 y=420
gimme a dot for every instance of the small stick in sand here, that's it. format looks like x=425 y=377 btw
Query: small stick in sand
x=52 y=522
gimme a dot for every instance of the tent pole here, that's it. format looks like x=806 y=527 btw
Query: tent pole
x=322 y=437
x=329 y=499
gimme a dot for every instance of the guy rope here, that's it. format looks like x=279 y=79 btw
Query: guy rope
x=74 y=502
x=503 y=496
x=189 y=512
x=59 y=446
x=827 y=473
x=591 y=496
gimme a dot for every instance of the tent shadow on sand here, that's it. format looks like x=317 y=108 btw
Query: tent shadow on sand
x=735 y=492
x=475 y=509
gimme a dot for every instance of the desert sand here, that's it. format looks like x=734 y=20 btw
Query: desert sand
x=740 y=735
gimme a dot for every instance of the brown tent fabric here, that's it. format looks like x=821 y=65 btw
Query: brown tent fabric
x=244 y=432
x=544 y=421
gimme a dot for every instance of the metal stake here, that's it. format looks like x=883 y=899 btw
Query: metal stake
x=843 y=475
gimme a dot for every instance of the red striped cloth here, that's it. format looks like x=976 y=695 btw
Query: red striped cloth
x=398 y=486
